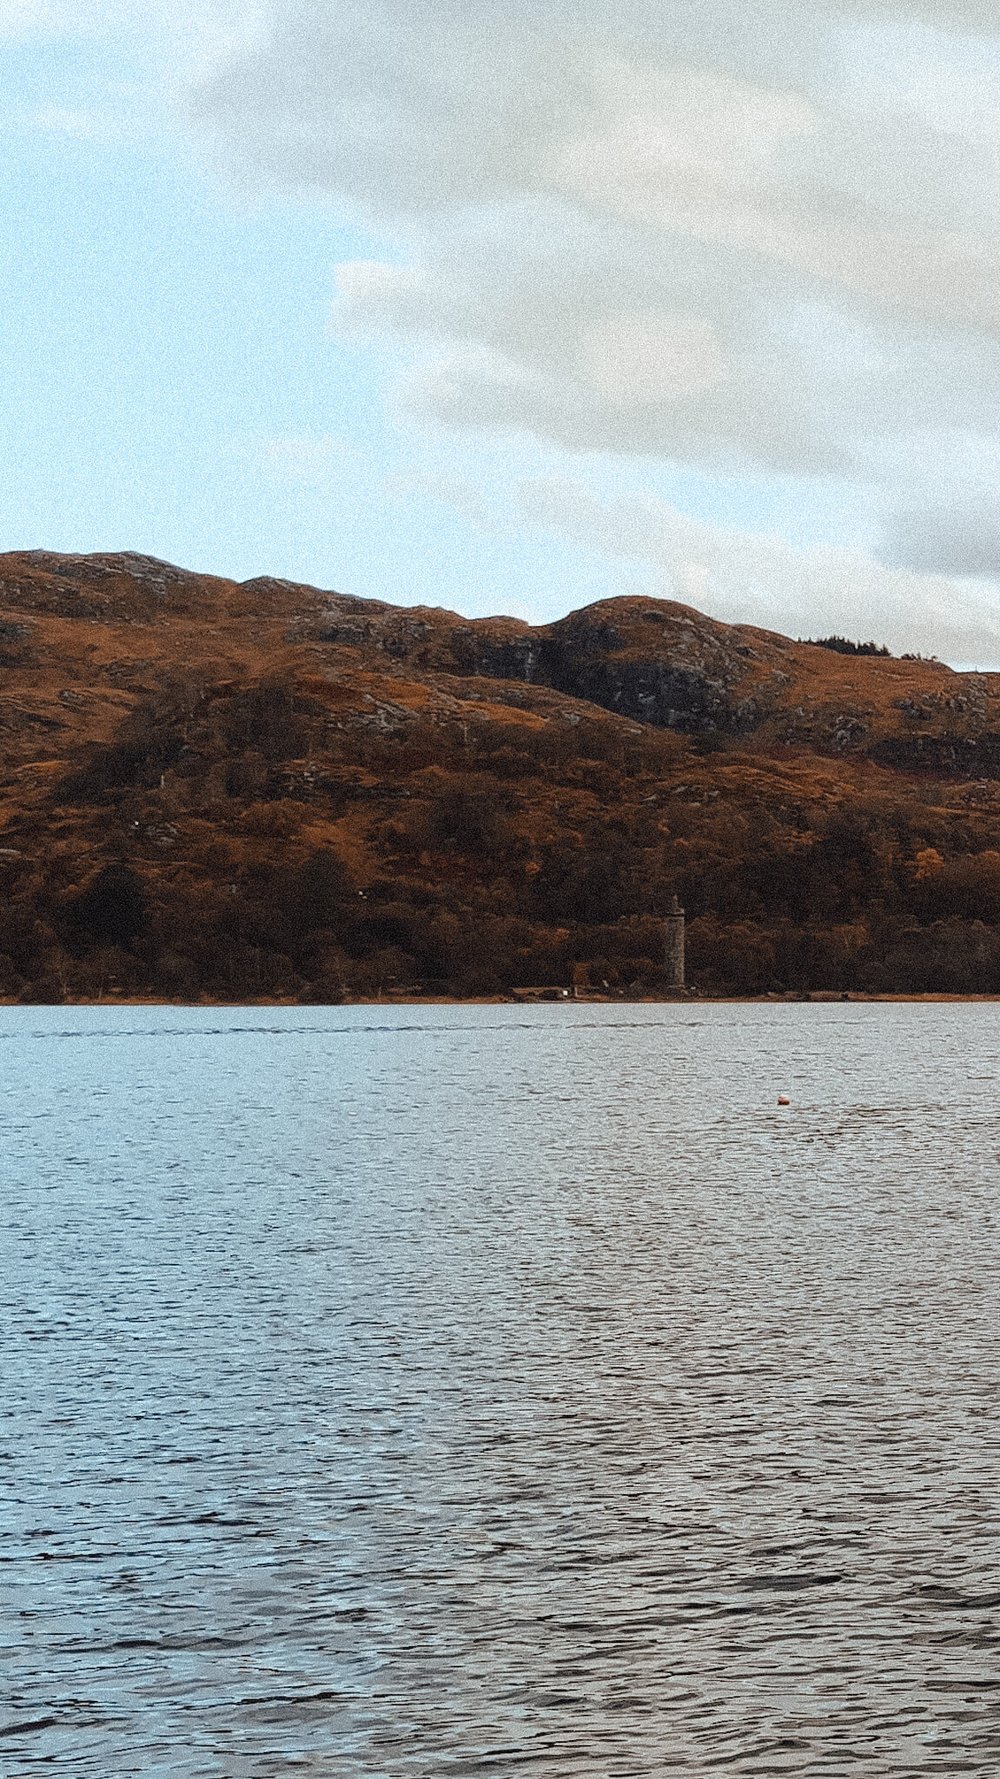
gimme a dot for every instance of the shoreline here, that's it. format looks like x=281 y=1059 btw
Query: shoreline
x=545 y=998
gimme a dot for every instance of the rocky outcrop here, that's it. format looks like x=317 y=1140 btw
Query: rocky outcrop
x=652 y=662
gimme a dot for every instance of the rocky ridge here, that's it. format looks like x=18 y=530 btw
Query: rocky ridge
x=651 y=661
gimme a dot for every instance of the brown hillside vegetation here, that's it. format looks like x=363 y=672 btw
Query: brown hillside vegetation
x=244 y=791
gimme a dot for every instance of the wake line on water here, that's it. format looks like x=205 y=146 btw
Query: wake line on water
x=344 y=1031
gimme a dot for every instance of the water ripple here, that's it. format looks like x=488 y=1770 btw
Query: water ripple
x=501 y=1392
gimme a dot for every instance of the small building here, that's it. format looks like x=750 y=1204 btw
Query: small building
x=673 y=945
x=580 y=980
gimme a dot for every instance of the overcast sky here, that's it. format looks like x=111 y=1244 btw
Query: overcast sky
x=511 y=308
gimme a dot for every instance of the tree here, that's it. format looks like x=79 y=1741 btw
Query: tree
x=110 y=910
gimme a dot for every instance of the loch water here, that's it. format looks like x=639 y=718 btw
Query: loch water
x=403 y=1393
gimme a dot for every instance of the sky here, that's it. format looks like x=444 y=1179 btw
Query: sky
x=514 y=307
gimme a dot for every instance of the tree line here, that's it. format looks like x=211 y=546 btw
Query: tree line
x=244 y=845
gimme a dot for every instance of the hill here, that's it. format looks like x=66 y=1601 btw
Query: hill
x=263 y=790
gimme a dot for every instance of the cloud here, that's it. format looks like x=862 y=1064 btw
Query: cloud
x=666 y=214
x=18 y=18
x=750 y=240
x=962 y=540
x=732 y=573
x=193 y=37
x=749 y=237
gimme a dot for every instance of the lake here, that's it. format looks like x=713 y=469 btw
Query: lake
x=392 y=1393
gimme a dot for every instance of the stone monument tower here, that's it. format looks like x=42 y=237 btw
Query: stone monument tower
x=673 y=944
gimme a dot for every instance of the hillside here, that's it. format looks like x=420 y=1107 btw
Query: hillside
x=224 y=790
